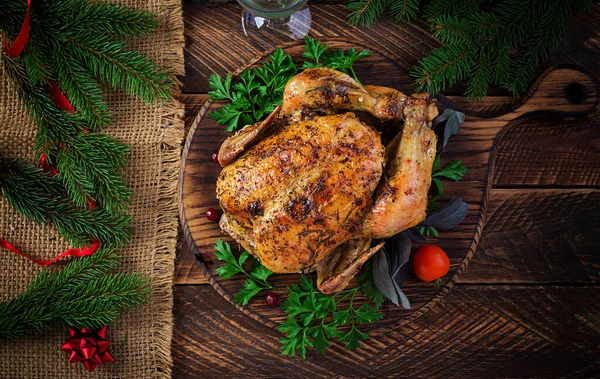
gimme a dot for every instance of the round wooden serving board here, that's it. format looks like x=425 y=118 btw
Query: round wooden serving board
x=557 y=91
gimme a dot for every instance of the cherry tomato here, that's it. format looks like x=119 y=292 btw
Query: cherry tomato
x=431 y=263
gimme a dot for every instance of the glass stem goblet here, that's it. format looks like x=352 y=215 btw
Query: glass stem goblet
x=282 y=20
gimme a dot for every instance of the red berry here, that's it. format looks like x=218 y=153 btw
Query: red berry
x=215 y=157
x=272 y=299
x=212 y=214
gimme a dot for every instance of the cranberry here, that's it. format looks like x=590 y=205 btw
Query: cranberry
x=272 y=299
x=212 y=214
x=360 y=270
x=215 y=157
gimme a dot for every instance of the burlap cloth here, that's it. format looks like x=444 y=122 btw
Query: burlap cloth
x=140 y=340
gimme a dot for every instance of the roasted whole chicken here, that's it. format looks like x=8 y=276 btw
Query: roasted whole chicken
x=309 y=187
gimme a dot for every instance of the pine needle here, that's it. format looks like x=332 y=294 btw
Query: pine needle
x=82 y=295
x=487 y=42
x=40 y=197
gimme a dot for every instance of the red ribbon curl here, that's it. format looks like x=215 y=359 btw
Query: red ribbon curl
x=73 y=252
x=17 y=47
x=63 y=103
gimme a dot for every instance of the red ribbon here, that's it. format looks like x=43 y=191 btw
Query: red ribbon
x=73 y=252
x=59 y=98
x=64 y=104
x=47 y=166
x=17 y=47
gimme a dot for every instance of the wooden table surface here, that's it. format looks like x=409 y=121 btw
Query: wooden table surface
x=529 y=302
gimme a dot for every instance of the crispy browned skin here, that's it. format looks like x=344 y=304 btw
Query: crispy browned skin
x=236 y=144
x=401 y=201
x=305 y=190
x=324 y=90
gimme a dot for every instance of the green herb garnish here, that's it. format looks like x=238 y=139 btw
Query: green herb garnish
x=257 y=276
x=260 y=90
x=337 y=59
x=257 y=93
x=454 y=171
x=314 y=319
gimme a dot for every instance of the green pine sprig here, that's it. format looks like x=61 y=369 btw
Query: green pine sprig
x=80 y=45
x=82 y=295
x=486 y=43
x=40 y=197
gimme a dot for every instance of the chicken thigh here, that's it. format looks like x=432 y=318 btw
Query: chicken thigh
x=310 y=186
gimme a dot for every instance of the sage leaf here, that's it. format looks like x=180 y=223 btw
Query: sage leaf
x=453 y=120
x=449 y=216
x=415 y=235
x=398 y=249
x=383 y=280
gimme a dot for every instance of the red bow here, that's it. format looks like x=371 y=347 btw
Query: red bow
x=88 y=347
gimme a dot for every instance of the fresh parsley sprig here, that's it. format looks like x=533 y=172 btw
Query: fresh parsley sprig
x=317 y=56
x=257 y=93
x=257 y=276
x=454 y=171
x=260 y=90
x=314 y=319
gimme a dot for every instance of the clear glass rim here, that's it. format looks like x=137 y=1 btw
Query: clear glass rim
x=275 y=14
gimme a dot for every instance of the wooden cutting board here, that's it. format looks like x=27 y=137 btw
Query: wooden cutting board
x=559 y=91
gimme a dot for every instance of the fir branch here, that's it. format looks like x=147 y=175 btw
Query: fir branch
x=109 y=18
x=83 y=92
x=456 y=8
x=487 y=42
x=480 y=76
x=82 y=295
x=365 y=12
x=445 y=66
x=449 y=29
x=546 y=38
x=129 y=70
x=90 y=168
x=404 y=10
x=41 y=199
x=89 y=164
x=53 y=123
x=74 y=43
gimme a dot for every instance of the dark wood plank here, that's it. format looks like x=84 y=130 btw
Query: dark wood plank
x=547 y=151
x=476 y=331
x=185 y=268
x=215 y=42
x=539 y=236
x=193 y=103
